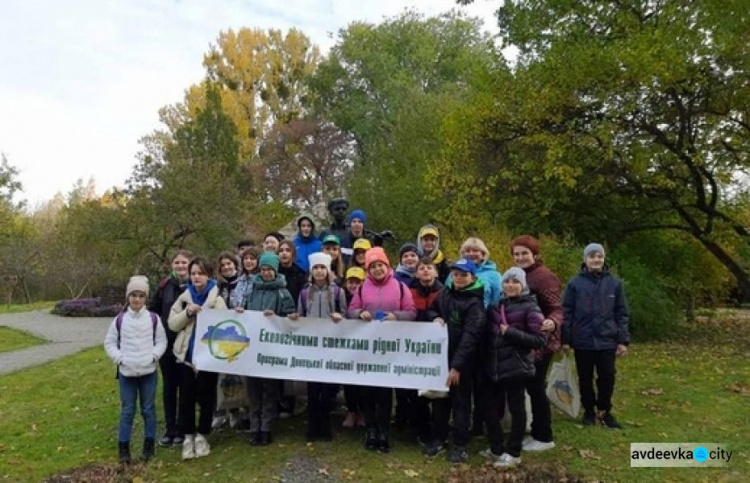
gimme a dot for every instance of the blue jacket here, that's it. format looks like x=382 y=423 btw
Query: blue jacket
x=595 y=312
x=305 y=247
x=492 y=280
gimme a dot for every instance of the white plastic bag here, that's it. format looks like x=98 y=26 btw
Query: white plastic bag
x=432 y=394
x=562 y=387
x=231 y=393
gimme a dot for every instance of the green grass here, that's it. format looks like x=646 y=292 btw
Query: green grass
x=64 y=415
x=18 y=308
x=11 y=339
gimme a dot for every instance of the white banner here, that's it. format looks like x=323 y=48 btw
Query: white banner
x=412 y=355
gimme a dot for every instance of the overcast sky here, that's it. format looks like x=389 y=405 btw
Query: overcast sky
x=82 y=80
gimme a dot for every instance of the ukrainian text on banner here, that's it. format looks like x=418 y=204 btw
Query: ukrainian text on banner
x=410 y=355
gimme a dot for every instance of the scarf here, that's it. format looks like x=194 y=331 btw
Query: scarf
x=198 y=299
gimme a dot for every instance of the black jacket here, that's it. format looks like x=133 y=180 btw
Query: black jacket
x=509 y=356
x=161 y=303
x=595 y=312
x=463 y=312
x=296 y=279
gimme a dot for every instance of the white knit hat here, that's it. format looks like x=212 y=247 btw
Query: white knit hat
x=320 y=258
x=139 y=283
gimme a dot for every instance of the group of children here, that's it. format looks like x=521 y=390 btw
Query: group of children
x=503 y=330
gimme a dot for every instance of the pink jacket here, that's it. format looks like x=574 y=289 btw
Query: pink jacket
x=388 y=296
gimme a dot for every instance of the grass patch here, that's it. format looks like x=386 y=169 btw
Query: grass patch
x=12 y=339
x=63 y=415
x=18 y=308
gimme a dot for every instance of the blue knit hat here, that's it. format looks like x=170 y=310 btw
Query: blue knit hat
x=592 y=248
x=269 y=259
x=358 y=214
x=465 y=265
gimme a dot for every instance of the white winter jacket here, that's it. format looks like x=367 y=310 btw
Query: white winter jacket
x=139 y=350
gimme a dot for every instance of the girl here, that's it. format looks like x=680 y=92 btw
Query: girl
x=352 y=393
x=245 y=281
x=270 y=296
x=135 y=341
x=271 y=242
x=322 y=299
x=596 y=326
x=515 y=329
x=195 y=386
x=360 y=248
x=546 y=286
x=332 y=246
x=381 y=297
x=228 y=276
x=428 y=241
x=169 y=289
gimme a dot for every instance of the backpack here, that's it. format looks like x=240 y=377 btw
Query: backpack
x=121 y=317
x=336 y=292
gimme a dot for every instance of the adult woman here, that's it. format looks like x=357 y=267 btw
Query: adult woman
x=475 y=250
x=296 y=278
x=195 y=386
x=381 y=296
x=169 y=289
x=546 y=286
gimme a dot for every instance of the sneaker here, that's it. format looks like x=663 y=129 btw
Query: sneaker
x=589 y=418
x=507 y=461
x=188 y=447
x=488 y=454
x=535 y=445
x=218 y=422
x=609 y=421
x=458 y=454
x=350 y=420
x=433 y=449
x=166 y=440
x=178 y=440
x=384 y=444
x=202 y=448
x=371 y=440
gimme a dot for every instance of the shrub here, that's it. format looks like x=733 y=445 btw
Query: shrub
x=88 y=307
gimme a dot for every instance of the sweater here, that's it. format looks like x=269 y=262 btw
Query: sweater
x=545 y=285
x=139 y=348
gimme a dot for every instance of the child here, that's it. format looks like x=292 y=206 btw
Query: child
x=353 y=394
x=195 y=386
x=249 y=258
x=135 y=341
x=305 y=241
x=595 y=324
x=332 y=246
x=407 y=268
x=321 y=299
x=381 y=295
x=460 y=306
x=425 y=288
x=514 y=330
x=428 y=242
x=270 y=296
x=360 y=248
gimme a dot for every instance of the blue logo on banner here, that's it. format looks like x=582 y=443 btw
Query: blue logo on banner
x=700 y=454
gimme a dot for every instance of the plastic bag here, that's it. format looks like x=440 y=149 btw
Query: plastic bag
x=232 y=392
x=562 y=387
x=432 y=394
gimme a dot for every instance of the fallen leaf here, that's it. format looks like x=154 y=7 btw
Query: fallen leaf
x=740 y=388
x=411 y=473
x=34 y=427
x=587 y=453
x=323 y=471
x=653 y=392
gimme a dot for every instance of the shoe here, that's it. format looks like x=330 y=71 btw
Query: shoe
x=178 y=440
x=507 y=461
x=350 y=420
x=218 y=422
x=488 y=454
x=124 y=453
x=433 y=449
x=254 y=438
x=371 y=439
x=148 y=450
x=166 y=440
x=384 y=444
x=589 y=418
x=361 y=421
x=202 y=448
x=609 y=421
x=265 y=438
x=188 y=447
x=458 y=454
x=534 y=445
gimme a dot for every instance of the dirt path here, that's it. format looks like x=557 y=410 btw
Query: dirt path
x=65 y=336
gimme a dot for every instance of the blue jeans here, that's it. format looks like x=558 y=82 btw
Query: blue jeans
x=130 y=387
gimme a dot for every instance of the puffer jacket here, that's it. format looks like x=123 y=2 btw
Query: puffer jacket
x=271 y=295
x=184 y=325
x=424 y=297
x=140 y=348
x=464 y=314
x=389 y=295
x=595 y=312
x=509 y=356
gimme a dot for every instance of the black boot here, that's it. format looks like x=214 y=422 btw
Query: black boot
x=371 y=439
x=148 y=449
x=384 y=444
x=125 y=453
x=324 y=428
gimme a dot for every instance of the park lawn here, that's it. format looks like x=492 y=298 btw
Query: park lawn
x=12 y=339
x=17 y=308
x=695 y=389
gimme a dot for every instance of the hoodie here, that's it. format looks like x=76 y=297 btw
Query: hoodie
x=441 y=263
x=491 y=279
x=306 y=245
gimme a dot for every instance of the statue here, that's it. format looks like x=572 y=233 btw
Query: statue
x=338 y=208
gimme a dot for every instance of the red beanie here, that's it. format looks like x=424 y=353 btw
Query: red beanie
x=527 y=241
x=376 y=254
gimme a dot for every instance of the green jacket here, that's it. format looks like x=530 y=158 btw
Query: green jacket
x=271 y=295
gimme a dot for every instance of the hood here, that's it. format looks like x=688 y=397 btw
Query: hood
x=430 y=229
x=486 y=266
x=411 y=272
x=306 y=216
x=476 y=289
x=276 y=284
